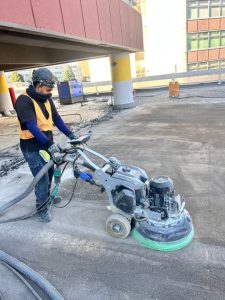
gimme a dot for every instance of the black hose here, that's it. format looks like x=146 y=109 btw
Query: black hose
x=30 y=188
x=30 y=288
x=1 y=296
x=42 y=283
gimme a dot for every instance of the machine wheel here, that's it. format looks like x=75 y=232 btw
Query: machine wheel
x=118 y=226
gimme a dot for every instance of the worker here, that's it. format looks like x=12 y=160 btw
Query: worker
x=36 y=114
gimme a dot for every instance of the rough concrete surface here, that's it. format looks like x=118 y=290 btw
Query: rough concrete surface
x=182 y=138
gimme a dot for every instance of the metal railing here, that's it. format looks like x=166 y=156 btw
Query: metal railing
x=184 y=78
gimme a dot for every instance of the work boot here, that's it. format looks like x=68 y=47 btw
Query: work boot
x=57 y=199
x=44 y=216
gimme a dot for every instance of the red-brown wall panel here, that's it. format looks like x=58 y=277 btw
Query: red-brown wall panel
x=213 y=54
x=115 y=20
x=91 y=22
x=192 y=26
x=124 y=15
x=214 y=24
x=132 y=25
x=203 y=25
x=192 y=56
x=222 y=53
x=222 y=23
x=105 y=20
x=203 y=55
x=48 y=15
x=139 y=33
x=15 y=11
x=72 y=17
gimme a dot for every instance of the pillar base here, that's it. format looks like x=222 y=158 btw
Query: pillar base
x=124 y=106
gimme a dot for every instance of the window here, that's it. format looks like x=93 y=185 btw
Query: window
x=203 y=12
x=193 y=41
x=192 y=67
x=215 y=12
x=214 y=39
x=202 y=9
x=222 y=63
x=192 y=10
x=215 y=2
x=193 y=13
x=203 y=41
x=213 y=64
x=222 y=38
x=202 y=66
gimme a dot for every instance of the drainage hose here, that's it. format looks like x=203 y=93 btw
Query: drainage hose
x=36 y=278
x=30 y=188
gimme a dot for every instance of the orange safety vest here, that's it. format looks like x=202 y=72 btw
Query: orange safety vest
x=42 y=123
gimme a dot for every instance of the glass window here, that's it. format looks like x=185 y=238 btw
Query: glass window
x=214 y=39
x=203 y=2
x=223 y=11
x=192 y=67
x=203 y=42
x=203 y=12
x=193 y=3
x=215 y=12
x=192 y=13
x=192 y=41
x=202 y=66
x=215 y=2
x=213 y=64
x=222 y=38
x=222 y=64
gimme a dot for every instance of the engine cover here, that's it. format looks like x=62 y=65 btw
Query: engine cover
x=124 y=199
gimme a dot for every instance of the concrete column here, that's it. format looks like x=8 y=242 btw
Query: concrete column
x=122 y=82
x=5 y=100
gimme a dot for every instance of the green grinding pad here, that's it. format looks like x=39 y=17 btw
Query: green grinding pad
x=163 y=246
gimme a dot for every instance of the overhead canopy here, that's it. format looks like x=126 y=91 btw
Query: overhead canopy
x=35 y=33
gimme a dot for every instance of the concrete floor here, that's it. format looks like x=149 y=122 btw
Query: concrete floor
x=183 y=138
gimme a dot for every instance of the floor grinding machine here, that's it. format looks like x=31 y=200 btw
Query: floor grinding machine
x=148 y=209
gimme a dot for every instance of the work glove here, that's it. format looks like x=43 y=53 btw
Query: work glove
x=72 y=136
x=54 y=148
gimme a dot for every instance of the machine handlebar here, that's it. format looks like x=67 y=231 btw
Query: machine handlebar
x=81 y=140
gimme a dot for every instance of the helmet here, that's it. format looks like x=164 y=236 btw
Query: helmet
x=43 y=76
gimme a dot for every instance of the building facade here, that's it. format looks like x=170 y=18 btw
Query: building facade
x=205 y=34
x=179 y=36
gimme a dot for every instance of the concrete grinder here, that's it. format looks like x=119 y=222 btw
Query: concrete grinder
x=148 y=209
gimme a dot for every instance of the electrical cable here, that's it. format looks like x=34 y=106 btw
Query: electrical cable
x=31 y=289
x=71 y=197
x=35 y=211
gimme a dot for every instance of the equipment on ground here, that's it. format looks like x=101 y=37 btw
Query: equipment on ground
x=148 y=209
